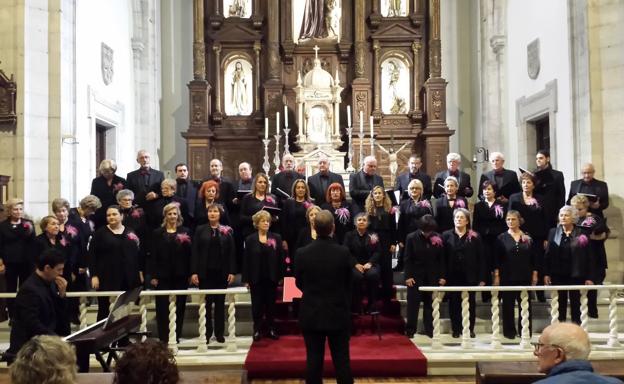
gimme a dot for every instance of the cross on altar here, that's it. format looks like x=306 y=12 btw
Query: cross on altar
x=316 y=49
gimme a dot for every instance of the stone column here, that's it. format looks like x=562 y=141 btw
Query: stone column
x=257 y=49
x=273 y=40
x=217 y=51
x=416 y=46
x=376 y=78
x=360 y=36
x=199 y=48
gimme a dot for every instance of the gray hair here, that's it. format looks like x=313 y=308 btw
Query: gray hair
x=171 y=183
x=497 y=155
x=107 y=165
x=453 y=157
x=571 y=338
x=570 y=209
x=416 y=182
x=124 y=193
x=369 y=158
x=453 y=179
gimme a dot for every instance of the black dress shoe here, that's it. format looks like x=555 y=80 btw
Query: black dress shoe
x=455 y=335
x=409 y=333
x=472 y=334
x=273 y=335
x=220 y=339
x=257 y=336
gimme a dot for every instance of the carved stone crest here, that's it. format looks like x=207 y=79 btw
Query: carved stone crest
x=8 y=90
x=107 y=64
x=533 y=59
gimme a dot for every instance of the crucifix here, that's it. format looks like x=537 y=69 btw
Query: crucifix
x=316 y=49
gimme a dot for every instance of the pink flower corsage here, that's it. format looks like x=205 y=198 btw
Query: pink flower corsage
x=307 y=204
x=225 y=230
x=373 y=238
x=27 y=227
x=588 y=222
x=71 y=231
x=436 y=241
x=582 y=241
x=393 y=210
x=460 y=204
x=271 y=243
x=132 y=236
x=532 y=201
x=472 y=235
x=498 y=211
x=525 y=239
x=287 y=260
x=63 y=241
x=269 y=200
x=183 y=238
x=343 y=215
x=117 y=187
x=137 y=213
x=424 y=204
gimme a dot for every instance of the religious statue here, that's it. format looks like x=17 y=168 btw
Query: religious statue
x=332 y=18
x=398 y=102
x=321 y=19
x=238 y=8
x=239 y=89
x=394 y=8
x=392 y=158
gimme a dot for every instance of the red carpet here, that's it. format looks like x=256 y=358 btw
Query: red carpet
x=393 y=356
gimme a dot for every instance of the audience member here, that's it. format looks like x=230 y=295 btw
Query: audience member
x=147 y=362
x=44 y=359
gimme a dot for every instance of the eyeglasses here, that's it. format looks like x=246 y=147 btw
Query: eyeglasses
x=538 y=346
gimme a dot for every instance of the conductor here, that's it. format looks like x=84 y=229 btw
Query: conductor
x=323 y=272
x=40 y=303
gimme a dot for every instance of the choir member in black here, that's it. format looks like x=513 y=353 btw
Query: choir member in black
x=465 y=266
x=17 y=236
x=320 y=181
x=402 y=182
x=186 y=189
x=263 y=268
x=145 y=181
x=505 y=180
x=447 y=203
x=365 y=247
x=308 y=233
x=531 y=208
x=81 y=219
x=213 y=266
x=343 y=210
x=361 y=183
x=412 y=209
x=227 y=192
x=114 y=258
x=488 y=220
x=569 y=260
x=168 y=266
x=424 y=265
x=293 y=215
x=255 y=201
x=514 y=264
x=167 y=196
x=105 y=187
x=588 y=185
x=51 y=237
x=244 y=183
x=464 y=188
x=284 y=180
x=382 y=221
x=596 y=228
x=208 y=195
x=550 y=185
x=135 y=219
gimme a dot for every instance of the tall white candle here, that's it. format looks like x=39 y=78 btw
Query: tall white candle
x=285 y=116
x=348 y=115
x=266 y=128
x=362 y=121
x=277 y=123
x=371 y=125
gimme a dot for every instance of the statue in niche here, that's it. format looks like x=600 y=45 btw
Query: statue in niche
x=238 y=8
x=332 y=18
x=393 y=8
x=239 y=89
x=398 y=105
x=317 y=125
x=321 y=19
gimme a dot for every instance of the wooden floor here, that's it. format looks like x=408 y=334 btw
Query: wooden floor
x=401 y=380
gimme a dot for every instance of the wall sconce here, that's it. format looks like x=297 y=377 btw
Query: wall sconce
x=69 y=139
x=481 y=155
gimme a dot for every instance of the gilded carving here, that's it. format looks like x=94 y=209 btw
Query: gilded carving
x=8 y=91
x=436 y=102
x=361 y=99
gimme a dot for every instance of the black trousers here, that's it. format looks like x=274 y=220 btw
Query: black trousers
x=592 y=296
x=455 y=311
x=371 y=279
x=315 y=350
x=263 y=302
x=214 y=280
x=509 y=301
x=538 y=248
x=104 y=301
x=414 y=298
x=575 y=298
x=162 y=307
x=386 y=274
x=15 y=274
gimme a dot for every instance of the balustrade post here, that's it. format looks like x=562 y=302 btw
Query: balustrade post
x=584 y=310
x=202 y=346
x=465 y=312
x=554 y=306
x=613 y=318
x=231 y=345
x=173 y=342
x=435 y=313
x=143 y=311
x=525 y=340
x=496 y=344
x=82 y=309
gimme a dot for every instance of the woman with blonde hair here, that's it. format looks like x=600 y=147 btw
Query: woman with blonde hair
x=105 y=187
x=44 y=359
x=253 y=202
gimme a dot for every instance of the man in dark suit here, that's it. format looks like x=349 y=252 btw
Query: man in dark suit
x=550 y=186
x=591 y=186
x=453 y=161
x=145 y=181
x=285 y=179
x=320 y=181
x=186 y=188
x=227 y=193
x=506 y=181
x=40 y=303
x=323 y=272
x=414 y=164
x=362 y=183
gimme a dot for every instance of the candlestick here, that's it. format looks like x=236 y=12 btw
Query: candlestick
x=266 y=165
x=276 y=160
x=348 y=115
x=277 y=125
x=372 y=137
x=286 y=144
x=361 y=136
x=285 y=116
x=350 y=168
x=266 y=128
